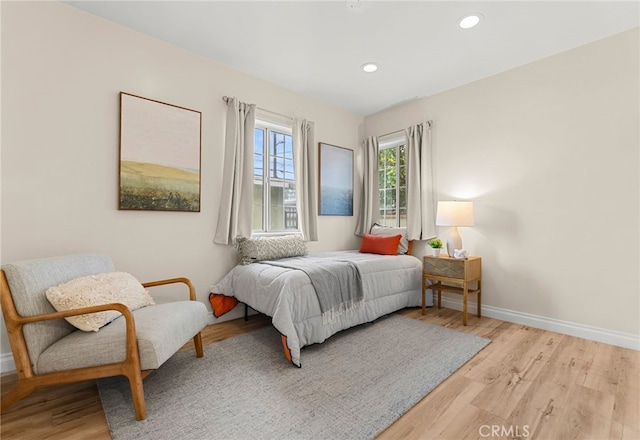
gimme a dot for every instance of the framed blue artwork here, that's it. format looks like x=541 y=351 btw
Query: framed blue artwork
x=335 y=180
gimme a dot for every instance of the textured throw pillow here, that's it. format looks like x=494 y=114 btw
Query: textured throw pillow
x=221 y=304
x=93 y=290
x=270 y=248
x=404 y=246
x=380 y=244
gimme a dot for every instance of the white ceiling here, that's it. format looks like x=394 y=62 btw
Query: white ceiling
x=316 y=48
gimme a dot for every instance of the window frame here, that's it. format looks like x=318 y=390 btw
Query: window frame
x=394 y=142
x=269 y=127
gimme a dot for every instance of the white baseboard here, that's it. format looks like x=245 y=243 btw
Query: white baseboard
x=612 y=337
x=6 y=363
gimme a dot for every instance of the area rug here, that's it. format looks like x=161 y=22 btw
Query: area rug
x=352 y=386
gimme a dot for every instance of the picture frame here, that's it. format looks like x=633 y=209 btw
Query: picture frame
x=335 y=181
x=159 y=162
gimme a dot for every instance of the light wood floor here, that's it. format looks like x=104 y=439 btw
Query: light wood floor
x=526 y=384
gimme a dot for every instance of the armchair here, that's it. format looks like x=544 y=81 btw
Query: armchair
x=47 y=350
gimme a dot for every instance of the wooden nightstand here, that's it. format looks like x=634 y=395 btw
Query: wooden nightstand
x=457 y=274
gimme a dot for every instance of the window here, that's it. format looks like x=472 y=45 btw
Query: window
x=392 y=182
x=274 y=191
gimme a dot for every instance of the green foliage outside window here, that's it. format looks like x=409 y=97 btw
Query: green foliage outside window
x=392 y=181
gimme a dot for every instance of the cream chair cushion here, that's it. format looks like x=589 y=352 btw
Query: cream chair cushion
x=161 y=330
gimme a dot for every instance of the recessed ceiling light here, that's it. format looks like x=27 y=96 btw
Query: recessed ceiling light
x=369 y=67
x=469 y=20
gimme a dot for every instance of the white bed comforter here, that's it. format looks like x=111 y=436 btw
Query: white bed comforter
x=389 y=283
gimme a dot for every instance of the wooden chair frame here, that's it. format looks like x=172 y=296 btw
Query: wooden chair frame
x=28 y=381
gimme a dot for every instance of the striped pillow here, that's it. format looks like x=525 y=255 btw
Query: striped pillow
x=257 y=249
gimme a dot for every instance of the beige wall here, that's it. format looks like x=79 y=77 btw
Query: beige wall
x=62 y=71
x=548 y=152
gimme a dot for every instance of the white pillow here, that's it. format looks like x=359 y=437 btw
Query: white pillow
x=403 y=246
x=257 y=249
x=93 y=290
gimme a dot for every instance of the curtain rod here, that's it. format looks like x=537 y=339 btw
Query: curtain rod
x=226 y=99
x=429 y=123
x=390 y=133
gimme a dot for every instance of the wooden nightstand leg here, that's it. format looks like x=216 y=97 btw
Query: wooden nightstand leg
x=465 y=294
x=439 y=298
x=424 y=302
x=479 y=298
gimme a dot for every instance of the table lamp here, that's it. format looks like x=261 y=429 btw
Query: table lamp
x=454 y=214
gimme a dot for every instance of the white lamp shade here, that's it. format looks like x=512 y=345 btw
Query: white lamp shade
x=454 y=213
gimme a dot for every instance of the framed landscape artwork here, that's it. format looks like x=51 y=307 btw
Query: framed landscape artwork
x=159 y=156
x=336 y=180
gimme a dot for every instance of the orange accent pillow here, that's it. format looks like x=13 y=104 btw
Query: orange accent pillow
x=380 y=244
x=221 y=304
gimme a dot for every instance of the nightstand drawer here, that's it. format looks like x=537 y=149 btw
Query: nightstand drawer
x=441 y=267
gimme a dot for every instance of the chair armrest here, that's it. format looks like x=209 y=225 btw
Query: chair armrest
x=192 y=290
x=130 y=324
x=84 y=310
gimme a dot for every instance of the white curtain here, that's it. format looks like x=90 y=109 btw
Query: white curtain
x=370 y=203
x=306 y=178
x=421 y=203
x=236 y=204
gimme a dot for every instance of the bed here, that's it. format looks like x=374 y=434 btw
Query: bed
x=286 y=294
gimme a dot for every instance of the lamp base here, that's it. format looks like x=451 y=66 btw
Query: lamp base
x=454 y=241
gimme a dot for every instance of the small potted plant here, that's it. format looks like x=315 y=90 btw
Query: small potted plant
x=436 y=246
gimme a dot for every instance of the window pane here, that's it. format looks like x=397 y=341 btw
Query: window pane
x=288 y=170
x=403 y=217
x=389 y=198
x=392 y=183
x=290 y=193
x=288 y=165
x=288 y=147
x=258 y=153
x=273 y=142
x=390 y=178
x=388 y=218
x=383 y=156
x=403 y=198
x=290 y=218
x=276 y=209
x=275 y=174
x=392 y=159
x=258 y=204
x=258 y=166
x=258 y=141
x=258 y=173
x=277 y=144
x=279 y=164
x=290 y=211
x=383 y=218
